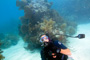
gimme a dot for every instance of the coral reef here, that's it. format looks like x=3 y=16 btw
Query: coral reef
x=63 y=27
x=39 y=18
x=47 y=26
x=1 y=56
x=71 y=30
x=8 y=40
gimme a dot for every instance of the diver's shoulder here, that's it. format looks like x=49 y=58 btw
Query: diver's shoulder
x=57 y=42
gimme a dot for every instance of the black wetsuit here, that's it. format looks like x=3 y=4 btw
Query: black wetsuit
x=53 y=47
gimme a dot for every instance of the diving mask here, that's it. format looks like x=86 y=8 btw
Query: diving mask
x=43 y=38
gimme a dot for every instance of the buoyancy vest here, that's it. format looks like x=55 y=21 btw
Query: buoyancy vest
x=51 y=48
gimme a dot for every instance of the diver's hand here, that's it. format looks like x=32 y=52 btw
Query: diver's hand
x=53 y=55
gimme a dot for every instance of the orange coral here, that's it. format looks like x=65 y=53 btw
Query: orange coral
x=1 y=57
x=47 y=25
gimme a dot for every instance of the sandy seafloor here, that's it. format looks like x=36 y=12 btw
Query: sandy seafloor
x=80 y=48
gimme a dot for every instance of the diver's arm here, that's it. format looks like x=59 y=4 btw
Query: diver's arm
x=63 y=48
x=65 y=51
x=68 y=53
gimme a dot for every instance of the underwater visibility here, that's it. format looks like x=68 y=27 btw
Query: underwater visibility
x=45 y=30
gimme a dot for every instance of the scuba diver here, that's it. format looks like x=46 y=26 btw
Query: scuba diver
x=53 y=49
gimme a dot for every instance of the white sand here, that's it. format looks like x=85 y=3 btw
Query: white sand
x=80 y=48
x=19 y=53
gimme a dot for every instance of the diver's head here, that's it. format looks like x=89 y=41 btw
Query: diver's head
x=44 y=38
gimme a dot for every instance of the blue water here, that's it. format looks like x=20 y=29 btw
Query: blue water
x=9 y=16
x=77 y=10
